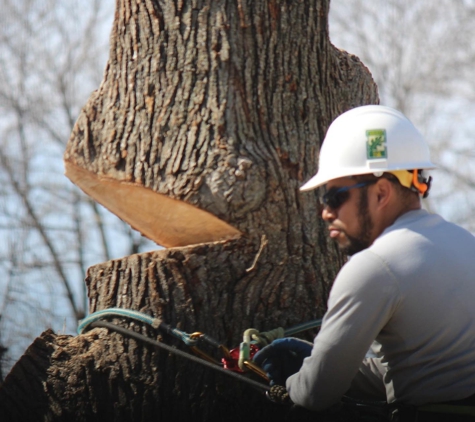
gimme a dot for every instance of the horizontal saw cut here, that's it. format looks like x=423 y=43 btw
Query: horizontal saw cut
x=167 y=221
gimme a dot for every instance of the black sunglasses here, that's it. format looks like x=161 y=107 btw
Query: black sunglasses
x=336 y=197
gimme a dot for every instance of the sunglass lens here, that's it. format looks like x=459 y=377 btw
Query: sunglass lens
x=335 y=198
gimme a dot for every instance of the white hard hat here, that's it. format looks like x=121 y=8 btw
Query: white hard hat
x=370 y=139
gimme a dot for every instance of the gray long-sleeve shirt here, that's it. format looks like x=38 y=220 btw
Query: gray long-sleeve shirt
x=411 y=297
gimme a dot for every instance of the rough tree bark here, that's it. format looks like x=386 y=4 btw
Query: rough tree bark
x=209 y=118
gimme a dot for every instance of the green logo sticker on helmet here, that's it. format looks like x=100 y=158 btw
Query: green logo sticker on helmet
x=376 y=146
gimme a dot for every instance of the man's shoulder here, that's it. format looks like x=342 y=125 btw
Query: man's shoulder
x=423 y=221
x=421 y=229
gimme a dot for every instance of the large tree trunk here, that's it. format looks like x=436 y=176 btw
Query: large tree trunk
x=209 y=118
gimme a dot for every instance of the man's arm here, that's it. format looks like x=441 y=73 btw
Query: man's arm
x=363 y=298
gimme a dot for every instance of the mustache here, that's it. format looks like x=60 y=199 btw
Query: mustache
x=332 y=226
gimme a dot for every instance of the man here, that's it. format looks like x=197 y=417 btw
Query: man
x=408 y=291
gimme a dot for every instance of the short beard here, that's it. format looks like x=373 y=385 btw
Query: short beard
x=363 y=240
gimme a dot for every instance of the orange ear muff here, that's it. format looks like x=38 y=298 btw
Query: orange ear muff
x=422 y=187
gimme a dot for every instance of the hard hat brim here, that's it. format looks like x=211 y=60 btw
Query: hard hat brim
x=321 y=178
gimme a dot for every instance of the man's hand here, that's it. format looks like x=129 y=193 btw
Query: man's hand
x=283 y=358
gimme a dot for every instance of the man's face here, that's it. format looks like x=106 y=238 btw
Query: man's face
x=349 y=224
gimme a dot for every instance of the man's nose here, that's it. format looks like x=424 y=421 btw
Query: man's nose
x=328 y=214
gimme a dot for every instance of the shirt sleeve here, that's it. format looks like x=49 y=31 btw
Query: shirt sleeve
x=362 y=300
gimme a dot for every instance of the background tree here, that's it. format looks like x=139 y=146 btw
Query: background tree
x=421 y=55
x=50 y=231
x=208 y=120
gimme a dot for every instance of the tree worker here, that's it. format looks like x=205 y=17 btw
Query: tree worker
x=400 y=323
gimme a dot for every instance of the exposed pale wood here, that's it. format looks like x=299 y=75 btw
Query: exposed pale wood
x=165 y=220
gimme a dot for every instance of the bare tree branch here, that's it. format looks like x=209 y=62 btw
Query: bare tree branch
x=38 y=226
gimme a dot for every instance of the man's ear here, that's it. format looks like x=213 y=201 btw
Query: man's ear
x=384 y=192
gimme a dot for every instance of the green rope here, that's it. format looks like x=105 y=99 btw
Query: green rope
x=139 y=316
x=316 y=323
x=267 y=337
